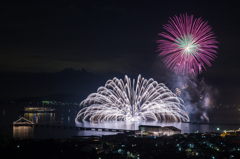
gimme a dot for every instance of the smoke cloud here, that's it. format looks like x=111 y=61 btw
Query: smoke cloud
x=199 y=97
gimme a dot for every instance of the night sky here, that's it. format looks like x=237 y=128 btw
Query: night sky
x=50 y=47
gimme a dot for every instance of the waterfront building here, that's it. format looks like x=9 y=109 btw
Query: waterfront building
x=23 y=122
x=23 y=129
x=158 y=130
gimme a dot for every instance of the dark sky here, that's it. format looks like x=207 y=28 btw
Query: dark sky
x=107 y=37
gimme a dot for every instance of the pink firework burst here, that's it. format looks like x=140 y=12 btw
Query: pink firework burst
x=188 y=44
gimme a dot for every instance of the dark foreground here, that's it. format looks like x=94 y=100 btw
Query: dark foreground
x=197 y=145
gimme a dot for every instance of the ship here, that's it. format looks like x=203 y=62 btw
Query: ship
x=37 y=110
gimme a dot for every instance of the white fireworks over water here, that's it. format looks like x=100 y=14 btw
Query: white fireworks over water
x=122 y=100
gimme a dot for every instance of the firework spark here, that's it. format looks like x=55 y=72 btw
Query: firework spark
x=188 y=45
x=122 y=100
x=178 y=91
x=185 y=86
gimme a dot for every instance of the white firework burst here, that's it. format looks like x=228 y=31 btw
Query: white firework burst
x=121 y=100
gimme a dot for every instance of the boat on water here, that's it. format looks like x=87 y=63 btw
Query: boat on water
x=37 y=110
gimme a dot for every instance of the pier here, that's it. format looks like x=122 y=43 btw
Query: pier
x=82 y=128
x=70 y=127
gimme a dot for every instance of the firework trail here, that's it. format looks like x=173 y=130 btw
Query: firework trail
x=204 y=116
x=188 y=45
x=185 y=86
x=122 y=100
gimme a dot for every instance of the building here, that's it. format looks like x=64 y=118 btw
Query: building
x=158 y=130
x=23 y=129
x=23 y=122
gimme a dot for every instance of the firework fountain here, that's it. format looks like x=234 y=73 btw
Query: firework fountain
x=122 y=100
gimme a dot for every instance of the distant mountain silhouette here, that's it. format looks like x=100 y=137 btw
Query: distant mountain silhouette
x=66 y=85
x=74 y=98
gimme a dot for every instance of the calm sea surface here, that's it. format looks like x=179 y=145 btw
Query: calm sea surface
x=64 y=115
